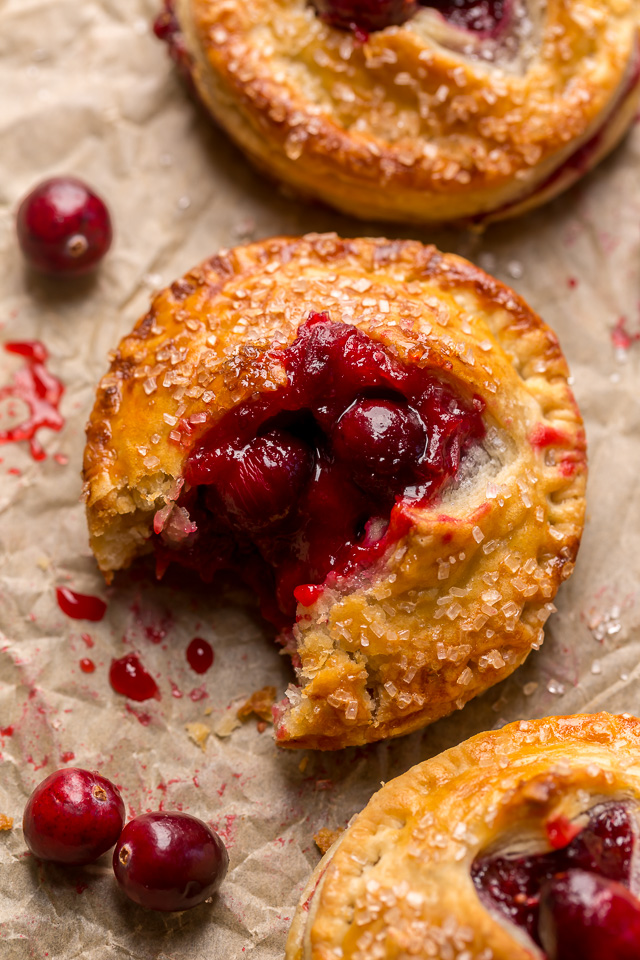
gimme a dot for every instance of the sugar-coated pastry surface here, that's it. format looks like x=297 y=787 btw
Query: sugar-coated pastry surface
x=399 y=883
x=429 y=120
x=457 y=585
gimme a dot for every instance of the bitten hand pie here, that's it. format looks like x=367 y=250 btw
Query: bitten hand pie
x=521 y=844
x=379 y=438
x=415 y=110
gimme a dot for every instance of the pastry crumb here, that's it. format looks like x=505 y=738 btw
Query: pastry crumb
x=259 y=703
x=302 y=766
x=198 y=732
x=226 y=726
x=326 y=838
x=6 y=823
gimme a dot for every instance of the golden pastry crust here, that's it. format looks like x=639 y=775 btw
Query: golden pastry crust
x=459 y=600
x=400 y=874
x=423 y=122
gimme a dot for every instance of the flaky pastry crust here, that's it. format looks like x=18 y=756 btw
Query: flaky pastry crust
x=423 y=122
x=397 y=884
x=460 y=598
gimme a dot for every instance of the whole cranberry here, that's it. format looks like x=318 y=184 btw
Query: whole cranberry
x=383 y=441
x=169 y=861
x=73 y=816
x=259 y=484
x=586 y=917
x=63 y=227
x=366 y=15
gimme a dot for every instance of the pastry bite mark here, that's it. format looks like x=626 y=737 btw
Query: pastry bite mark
x=453 y=858
x=213 y=389
x=443 y=117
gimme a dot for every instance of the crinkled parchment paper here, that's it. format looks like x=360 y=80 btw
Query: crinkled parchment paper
x=86 y=89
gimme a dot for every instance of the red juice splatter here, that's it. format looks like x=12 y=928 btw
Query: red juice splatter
x=88 y=639
x=175 y=690
x=87 y=666
x=199 y=655
x=128 y=677
x=39 y=390
x=80 y=606
x=543 y=435
x=620 y=336
x=67 y=757
x=143 y=718
x=198 y=694
x=6 y=731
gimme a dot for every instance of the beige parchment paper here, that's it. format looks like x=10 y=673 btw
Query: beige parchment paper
x=86 y=89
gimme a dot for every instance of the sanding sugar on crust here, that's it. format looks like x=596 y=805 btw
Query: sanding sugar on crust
x=422 y=122
x=399 y=882
x=458 y=596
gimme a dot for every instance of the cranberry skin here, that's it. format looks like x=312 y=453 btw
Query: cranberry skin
x=63 y=227
x=261 y=483
x=381 y=439
x=169 y=861
x=586 y=917
x=73 y=816
x=367 y=15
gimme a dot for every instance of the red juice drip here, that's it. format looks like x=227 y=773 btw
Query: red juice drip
x=200 y=655
x=88 y=639
x=87 y=666
x=80 y=606
x=39 y=390
x=128 y=677
x=6 y=731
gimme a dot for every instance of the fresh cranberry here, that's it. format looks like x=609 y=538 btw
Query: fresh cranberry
x=367 y=15
x=585 y=917
x=169 y=861
x=259 y=483
x=512 y=885
x=382 y=440
x=63 y=227
x=73 y=816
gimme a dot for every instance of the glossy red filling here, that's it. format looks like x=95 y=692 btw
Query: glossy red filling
x=477 y=16
x=362 y=17
x=309 y=480
x=582 y=885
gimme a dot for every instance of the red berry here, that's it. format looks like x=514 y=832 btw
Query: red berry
x=261 y=482
x=169 y=861
x=381 y=439
x=73 y=816
x=585 y=917
x=63 y=227
x=367 y=15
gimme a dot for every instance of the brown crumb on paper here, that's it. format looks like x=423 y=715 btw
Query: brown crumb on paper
x=326 y=838
x=198 y=732
x=259 y=703
x=6 y=823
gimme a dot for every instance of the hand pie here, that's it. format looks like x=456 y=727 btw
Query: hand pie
x=379 y=438
x=415 y=110
x=521 y=844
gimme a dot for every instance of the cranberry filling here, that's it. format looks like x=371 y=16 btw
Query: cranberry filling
x=547 y=894
x=309 y=479
x=477 y=16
